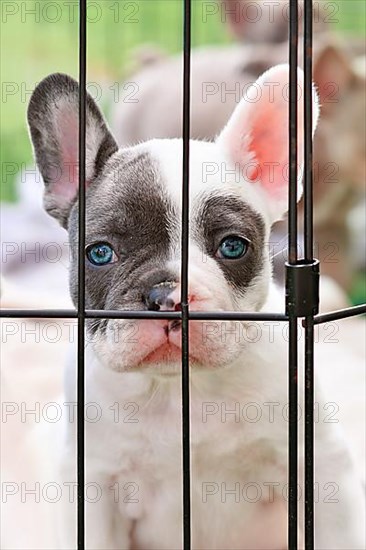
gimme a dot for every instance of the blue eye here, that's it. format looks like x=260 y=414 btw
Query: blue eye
x=232 y=248
x=100 y=254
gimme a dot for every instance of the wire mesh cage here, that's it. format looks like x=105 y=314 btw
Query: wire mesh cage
x=302 y=282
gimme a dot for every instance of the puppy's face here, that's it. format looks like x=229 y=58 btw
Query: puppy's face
x=238 y=187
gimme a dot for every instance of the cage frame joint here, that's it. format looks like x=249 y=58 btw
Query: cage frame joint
x=302 y=288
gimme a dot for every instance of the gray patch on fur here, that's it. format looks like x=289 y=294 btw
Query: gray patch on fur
x=220 y=216
x=127 y=207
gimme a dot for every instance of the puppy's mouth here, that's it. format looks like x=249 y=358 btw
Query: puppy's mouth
x=157 y=347
x=168 y=352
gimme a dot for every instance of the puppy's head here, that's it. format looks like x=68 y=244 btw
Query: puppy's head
x=238 y=188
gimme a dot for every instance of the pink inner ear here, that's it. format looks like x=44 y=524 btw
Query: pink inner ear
x=269 y=145
x=332 y=75
x=257 y=134
x=67 y=124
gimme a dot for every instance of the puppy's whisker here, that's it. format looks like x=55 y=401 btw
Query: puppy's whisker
x=156 y=390
x=284 y=250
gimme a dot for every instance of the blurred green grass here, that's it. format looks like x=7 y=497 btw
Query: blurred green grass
x=38 y=38
x=32 y=47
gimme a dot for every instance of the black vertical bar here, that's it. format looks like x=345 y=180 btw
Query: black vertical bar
x=292 y=246
x=184 y=277
x=308 y=246
x=309 y=433
x=294 y=38
x=308 y=128
x=81 y=279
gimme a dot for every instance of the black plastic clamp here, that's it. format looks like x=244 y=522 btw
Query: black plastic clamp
x=302 y=288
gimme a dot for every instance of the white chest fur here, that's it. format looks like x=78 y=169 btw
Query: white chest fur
x=238 y=450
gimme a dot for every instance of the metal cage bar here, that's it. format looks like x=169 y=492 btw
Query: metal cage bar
x=81 y=277
x=346 y=313
x=80 y=314
x=292 y=259
x=308 y=248
x=184 y=277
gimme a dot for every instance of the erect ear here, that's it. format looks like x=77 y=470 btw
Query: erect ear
x=333 y=74
x=53 y=118
x=256 y=137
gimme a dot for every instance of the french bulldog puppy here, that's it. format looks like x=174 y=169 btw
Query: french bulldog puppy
x=238 y=188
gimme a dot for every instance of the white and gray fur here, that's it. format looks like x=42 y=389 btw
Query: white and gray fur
x=133 y=201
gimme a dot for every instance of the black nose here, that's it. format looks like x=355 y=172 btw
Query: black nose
x=159 y=299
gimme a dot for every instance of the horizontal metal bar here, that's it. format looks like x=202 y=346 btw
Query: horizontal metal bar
x=39 y=313
x=235 y=316
x=120 y=314
x=193 y=315
x=340 y=314
x=111 y=314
